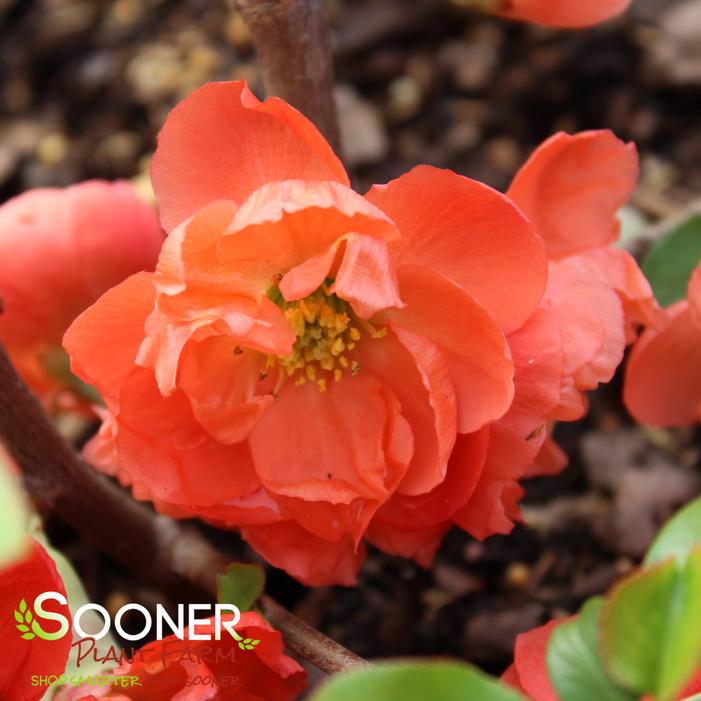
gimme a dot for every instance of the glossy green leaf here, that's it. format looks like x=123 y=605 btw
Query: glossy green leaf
x=680 y=535
x=574 y=662
x=13 y=518
x=651 y=632
x=415 y=681
x=241 y=585
x=670 y=262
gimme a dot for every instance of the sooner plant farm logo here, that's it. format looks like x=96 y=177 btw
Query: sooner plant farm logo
x=225 y=618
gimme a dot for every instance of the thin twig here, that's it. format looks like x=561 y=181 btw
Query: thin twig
x=152 y=546
x=294 y=53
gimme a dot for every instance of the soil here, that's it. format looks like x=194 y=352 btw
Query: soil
x=85 y=87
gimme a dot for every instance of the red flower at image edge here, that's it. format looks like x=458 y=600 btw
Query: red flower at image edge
x=61 y=249
x=663 y=377
x=317 y=368
x=560 y=13
x=529 y=672
x=207 y=670
x=23 y=658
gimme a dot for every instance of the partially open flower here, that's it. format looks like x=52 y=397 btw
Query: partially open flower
x=61 y=249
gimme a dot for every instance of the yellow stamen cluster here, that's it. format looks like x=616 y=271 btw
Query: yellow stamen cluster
x=327 y=333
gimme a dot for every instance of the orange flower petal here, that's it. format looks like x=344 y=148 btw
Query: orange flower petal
x=572 y=187
x=419 y=545
x=366 y=277
x=493 y=509
x=663 y=378
x=551 y=460
x=310 y=559
x=590 y=315
x=424 y=511
x=260 y=326
x=470 y=234
x=419 y=375
x=331 y=443
x=517 y=437
x=221 y=383
x=530 y=662
x=479 y=357
x=561 y=13
x=169 y=456
x=286 y=223
x=119 y=314
x=619 y=269
x=221 y=143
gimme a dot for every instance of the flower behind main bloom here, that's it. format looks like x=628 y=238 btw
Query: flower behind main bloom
x=315 y=367
x=61 y=249
x=663 y=377
x=559 y=13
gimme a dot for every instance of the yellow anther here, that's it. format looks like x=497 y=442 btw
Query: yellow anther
x=338 y=346
x=327 y=331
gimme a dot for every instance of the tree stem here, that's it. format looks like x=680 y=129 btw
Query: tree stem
x=152 y=546
x=294 y=53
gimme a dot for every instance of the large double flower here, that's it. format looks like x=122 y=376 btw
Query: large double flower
x=315 y=367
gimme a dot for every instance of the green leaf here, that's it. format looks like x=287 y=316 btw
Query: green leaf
x=22 y=628
x=415 y=681
x=574 y=663
x=680 y=535
x=241 y=585
x=29 y=617
x=18 y=617
x=23 y=606
x=28 y=636
x=651 y=632
x=670 y=262
x=13 y=518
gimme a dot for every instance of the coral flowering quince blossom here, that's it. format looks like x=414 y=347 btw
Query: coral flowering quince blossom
x=61 y=249
x=312 y=366
x=663 y=378
x=171 y=669
x=559 y=13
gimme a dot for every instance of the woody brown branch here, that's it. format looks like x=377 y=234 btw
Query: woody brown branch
x=153 y=547
x=293 y=46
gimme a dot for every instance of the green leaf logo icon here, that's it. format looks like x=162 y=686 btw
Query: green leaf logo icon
x=248 y=644
x=24 y=618
x=245 y=643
